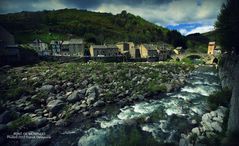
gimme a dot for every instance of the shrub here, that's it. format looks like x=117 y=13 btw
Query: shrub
x=187 y=60
x=154 y=87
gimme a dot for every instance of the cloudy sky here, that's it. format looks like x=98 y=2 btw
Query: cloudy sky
x=186 y=16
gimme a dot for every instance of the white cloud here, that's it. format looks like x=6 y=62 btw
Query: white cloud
x=48 y=5
x=180 y=11
x=201 y=29
x=183 y=31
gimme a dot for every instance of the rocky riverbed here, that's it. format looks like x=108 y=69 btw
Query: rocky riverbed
x=51 y=97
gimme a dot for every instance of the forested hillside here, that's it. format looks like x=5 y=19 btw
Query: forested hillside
x=94 y=27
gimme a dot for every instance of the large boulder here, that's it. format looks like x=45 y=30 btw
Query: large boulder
x=216 y=126
x=92 y=92
x=47 y=88
x=55 y=106
x=40 y=121
x=75 y=96
x=99 y=103
x=196 y=131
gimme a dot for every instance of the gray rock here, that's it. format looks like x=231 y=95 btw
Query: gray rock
x=40 y=121
x=218 y=119
x=92 y=95
x=140 y=97
x=184 y=142
x=61 y=123
x=210 y=134
x=97 y=113
x=69 y=84
x=216 y=126
x=92 y=92
x=194 y=122
x=147 y=119
x=207 y=117
x=206 y=126
x=213 y=113
x=169 y=87
x=55 y=106
x=75 y=96
x=63 y=98
x=86 y=113
x=30 y=108
x=196 y=131
x=83 y=105
x=47 y=88
x=85 y=83
x=90 y=100
x=99 y=103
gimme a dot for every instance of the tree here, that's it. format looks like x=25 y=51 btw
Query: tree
x=227 y=26
x=176 y=39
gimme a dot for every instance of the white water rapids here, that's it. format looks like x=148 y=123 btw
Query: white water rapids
x=188 y=103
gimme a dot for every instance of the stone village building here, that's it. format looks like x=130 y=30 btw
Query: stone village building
x=148 y=51
x=104 y=51
x=40 y=47
x=211 y=48
x=73 y=47
x=178 y=50
x=129 y=48
x=156 y=52
x=55 y=47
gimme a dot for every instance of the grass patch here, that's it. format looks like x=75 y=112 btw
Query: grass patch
x=16 y=92
x=37 y=99
x=154 y=87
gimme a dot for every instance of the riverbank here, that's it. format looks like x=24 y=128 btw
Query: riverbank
x=161 y=121
x=48 y=97
x=229 y=76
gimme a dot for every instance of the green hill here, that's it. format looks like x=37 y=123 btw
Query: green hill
x=212 y=36
x=94 y=27
x=197 y=42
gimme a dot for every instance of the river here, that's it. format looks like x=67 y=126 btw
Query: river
x=159 y=121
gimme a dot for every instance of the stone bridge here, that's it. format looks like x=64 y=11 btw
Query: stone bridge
x=207 y=58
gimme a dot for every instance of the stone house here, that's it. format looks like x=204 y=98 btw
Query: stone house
x=40 y=47
x=73 y=47
x=104 y=51
x=148 y=51
x=178 y=50
x=211 y=48
x=56 y=47
x=164 y=52
x=127 y=49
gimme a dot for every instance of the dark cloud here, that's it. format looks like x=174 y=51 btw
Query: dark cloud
x=96 y=3
x=7 y=6
x=161 y=12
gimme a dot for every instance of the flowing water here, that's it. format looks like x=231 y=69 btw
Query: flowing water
x=167 y=117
